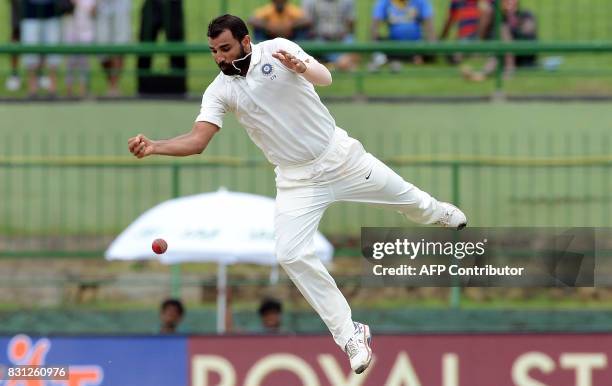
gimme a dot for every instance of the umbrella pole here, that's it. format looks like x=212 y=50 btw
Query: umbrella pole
x=221 y=297
x=175 y=280
x=274 y=274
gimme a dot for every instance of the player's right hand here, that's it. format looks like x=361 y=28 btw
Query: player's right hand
x=290 y=61
x=140 y=146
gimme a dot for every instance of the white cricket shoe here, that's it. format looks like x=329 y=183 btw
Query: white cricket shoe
x=452 y=217
x=358 y=348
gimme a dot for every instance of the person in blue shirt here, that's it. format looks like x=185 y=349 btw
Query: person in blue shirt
x=406 y=20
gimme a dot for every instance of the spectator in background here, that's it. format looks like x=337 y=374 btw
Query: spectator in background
x=471 y=16
x=333 y=21
x=407 y=20
x=41 y=24
x=79 y=28
x=279 y=19
x=517 y=24
x=171 y=314
x=473 y=19
x=271 y=314
x=13 y=82
x=521 y=25
x=166 y=15
x=113 y=26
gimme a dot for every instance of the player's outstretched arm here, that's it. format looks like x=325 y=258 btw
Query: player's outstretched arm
x=312 y=71
x=190 y=143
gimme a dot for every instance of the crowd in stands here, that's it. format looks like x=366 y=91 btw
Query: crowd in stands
x=51 y=22
x=109 y=22
x=403 y=20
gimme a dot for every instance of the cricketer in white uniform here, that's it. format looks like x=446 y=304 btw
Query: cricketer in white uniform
x=270 y=88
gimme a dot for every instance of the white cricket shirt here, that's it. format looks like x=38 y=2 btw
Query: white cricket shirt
x=279 y=109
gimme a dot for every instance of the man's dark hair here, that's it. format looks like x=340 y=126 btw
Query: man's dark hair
x=233 y=23
x=268 y=305
x=173 y=303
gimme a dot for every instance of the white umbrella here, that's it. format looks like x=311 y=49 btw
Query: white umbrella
x=223 y=227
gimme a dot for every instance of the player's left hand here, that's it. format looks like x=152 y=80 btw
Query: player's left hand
x=290 y=61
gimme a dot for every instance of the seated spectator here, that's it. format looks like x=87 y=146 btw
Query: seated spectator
x=271 y=314
x=279 y=20
x=333 y=21
x=407 y=20
x=517 y=24
x=113 y=26
x=521 y=25
x=472 y=17
x=171 y=314
x=41 y=24
x=79 y=28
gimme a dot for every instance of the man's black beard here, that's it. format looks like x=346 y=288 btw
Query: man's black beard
x=243 y=63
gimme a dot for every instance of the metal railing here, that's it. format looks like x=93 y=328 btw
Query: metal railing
x=491 y=48
x=486 y=47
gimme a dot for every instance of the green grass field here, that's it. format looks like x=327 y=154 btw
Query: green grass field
x=580 y=20
x=93 y=200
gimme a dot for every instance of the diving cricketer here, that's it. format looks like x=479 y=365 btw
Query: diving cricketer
x=270 y=88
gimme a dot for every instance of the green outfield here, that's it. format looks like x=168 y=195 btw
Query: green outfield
x=515 y=164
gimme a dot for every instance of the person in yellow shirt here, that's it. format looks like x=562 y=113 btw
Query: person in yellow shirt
x=279 y=19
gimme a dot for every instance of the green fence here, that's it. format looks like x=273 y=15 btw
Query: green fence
x=76 y=206
x=584 y=72
x=68 y=185
x=588 y=75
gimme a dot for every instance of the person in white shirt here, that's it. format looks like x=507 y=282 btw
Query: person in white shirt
x=270 y=88
x=79 y=28
x=113 y=26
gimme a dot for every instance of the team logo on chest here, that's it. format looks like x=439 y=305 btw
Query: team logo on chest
x=268 y=71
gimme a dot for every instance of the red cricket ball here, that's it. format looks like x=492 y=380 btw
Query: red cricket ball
x=159 y=246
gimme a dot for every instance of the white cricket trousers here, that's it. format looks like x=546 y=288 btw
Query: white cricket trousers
x=344 y=172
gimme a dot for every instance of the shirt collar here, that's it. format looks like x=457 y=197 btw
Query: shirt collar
x=255 y=59
x=255 y=56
